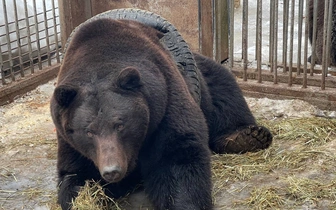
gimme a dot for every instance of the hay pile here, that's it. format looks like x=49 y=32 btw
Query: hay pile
x=298 y=171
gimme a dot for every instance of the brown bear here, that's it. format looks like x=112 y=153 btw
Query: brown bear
x=320 y=31
x=125 y=115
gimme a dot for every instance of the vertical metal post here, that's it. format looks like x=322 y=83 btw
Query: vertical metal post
x=305 y=59
x=3 y=81
x=37 y=37
x=325 y=30
x=10 y=60
x=55 y=32
x=326 y=40
x=31 y=62
x=275 y=47
x=257 y=31
x=329 y=30
x=231 y=31
x=328 y=36
x=46 y=33
x=245 y=37
x=313 y=54
x=18 y=38
x=259 y=39
x=285 y=34
x=298 y=66
x=271 y=37
x=290 y=81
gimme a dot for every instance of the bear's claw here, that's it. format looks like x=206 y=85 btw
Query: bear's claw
x=250 y=139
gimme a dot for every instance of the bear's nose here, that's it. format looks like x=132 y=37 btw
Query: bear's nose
x=112 y=173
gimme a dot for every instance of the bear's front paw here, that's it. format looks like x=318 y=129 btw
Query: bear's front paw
x=250 y=139
x=67 y=194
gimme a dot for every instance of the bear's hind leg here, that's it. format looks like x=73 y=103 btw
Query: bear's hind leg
x=248 y=139
x=232 y=127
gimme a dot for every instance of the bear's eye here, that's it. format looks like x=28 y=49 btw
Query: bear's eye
x=119 y=127
x=89 y=134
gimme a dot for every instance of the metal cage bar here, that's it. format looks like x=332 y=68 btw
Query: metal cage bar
x=305 y=58
x=259 y=39
x=245 y=37
x=29 y=38
x=300 y=25
x=276 y=43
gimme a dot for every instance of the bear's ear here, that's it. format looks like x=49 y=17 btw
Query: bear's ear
x=64 y=95
x=129 y=78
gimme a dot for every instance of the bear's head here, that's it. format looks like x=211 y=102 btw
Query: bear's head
x=112 y=93
x=105 y=121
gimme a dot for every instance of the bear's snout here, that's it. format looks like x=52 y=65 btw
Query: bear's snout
x=112 y=173
x=111 y=158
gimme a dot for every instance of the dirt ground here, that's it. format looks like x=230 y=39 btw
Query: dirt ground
x=28 y=155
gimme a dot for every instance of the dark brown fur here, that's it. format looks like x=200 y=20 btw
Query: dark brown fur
x=122 y=103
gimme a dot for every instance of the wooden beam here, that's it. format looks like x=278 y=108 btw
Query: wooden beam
x=214 y=29
x=72 y=13
x=268 y=76
x=11 y=91
x=206 y=31
x=323 y=99
x=221 y=30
